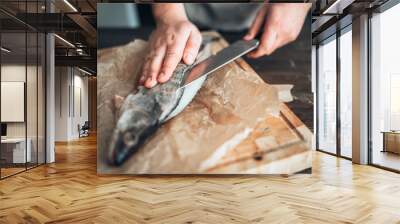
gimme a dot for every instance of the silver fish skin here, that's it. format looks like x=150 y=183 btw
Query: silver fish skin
x=143 y=112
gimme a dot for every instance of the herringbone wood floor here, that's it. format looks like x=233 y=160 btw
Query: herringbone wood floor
x=69 y=191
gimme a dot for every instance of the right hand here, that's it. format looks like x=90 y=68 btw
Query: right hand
x=171 y=42
x=281 y=24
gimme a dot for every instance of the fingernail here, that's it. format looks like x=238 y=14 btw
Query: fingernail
x=247 y=37
x=161 y=77
x=189 y=58
x=148 y=82
x=162 y=74
x=142 y=80
x=153 y=81
x=151 y=84
x=249 y=56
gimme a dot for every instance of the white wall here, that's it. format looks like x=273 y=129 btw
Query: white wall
x=62 y=81
x=33 y=126
x=12 y=73
x=70 y=81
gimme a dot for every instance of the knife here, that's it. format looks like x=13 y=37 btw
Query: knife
x=214 y=62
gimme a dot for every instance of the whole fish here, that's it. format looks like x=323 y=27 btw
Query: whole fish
x=141 y=113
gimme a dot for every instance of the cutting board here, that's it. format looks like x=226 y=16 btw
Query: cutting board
x=236 y=124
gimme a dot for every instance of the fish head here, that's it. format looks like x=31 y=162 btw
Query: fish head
x=129 y=134
x=122 y=145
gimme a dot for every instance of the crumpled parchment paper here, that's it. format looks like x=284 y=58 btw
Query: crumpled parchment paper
x=225 y=111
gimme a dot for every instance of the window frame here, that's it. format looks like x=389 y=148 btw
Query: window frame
x=333 y=37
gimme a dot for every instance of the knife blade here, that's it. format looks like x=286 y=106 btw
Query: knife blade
x=214 y=62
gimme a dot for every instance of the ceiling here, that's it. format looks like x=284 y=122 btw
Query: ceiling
x=74 y=22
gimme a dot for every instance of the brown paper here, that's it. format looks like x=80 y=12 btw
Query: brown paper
x=223 y=114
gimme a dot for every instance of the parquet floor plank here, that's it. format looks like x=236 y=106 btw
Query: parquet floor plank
x=70 y=191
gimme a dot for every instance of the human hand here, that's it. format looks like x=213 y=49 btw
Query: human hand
x=281 y=22
x=172 y=41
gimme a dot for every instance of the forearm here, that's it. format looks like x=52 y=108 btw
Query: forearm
x=166 y=12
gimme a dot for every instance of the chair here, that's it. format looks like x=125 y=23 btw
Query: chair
x=84 y=130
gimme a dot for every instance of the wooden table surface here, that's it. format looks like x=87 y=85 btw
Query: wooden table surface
x=276 y=144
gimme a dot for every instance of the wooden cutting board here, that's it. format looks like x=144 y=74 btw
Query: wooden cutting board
x=234 y=125
x=278 y=145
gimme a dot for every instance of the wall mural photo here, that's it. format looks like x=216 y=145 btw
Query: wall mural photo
x=202 y=88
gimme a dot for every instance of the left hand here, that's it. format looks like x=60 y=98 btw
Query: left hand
x=281 y=22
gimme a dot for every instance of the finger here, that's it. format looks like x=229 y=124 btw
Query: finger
x=150 y=80
x=267 y=43
x=146 y=65
x=142 y=79
x=256 y=25
x=192 y=48
x=154 y=67
x=145 y=70
x=172 y=57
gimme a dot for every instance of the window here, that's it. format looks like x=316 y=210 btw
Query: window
x=327 y=96
x=346 y=92
x=22 y=78
x=385 y=89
